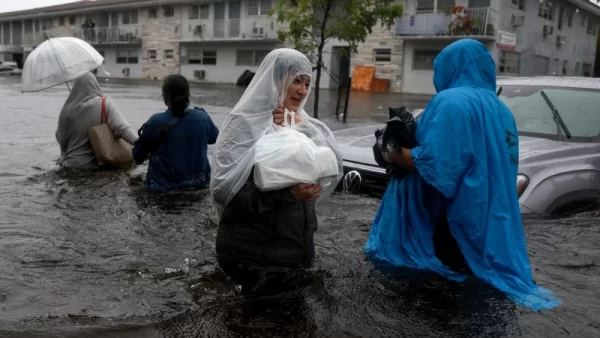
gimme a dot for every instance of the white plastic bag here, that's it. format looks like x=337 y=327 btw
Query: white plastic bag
x=287 y=157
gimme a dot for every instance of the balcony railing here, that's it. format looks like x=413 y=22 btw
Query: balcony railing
x=226 y=28
x=475 y=22
x=108 y=35
x=230 y=29
x=90 y=35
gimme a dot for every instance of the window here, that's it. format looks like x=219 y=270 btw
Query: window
x=61 y=21
x=72 y=20
x=259 y=7
x=444 y=5
x=152 y=54
x=541 y=65
x=425 y=6
x=570 y=13
x=46 y=24
x=152 y=13
x=204 y=10
x=587 y=70
x=582 y=19
x=130 y=17
x=532 y=116
x=423 y=59
x=382 y=55
x=561 y=14
x=577 y=68
x=592 y=27
x=509 y=63
x=168 y=11
x=520 y=4
x=168 y=54
x=193 y=12
x=202 y=57
x=565 y=68
x=250 y=57
x=546 y=9
x=127 y=56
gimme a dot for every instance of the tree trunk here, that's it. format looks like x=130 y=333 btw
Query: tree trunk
x=318 y=82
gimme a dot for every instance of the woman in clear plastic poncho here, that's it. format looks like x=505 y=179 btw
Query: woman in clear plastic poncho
x=262 y=232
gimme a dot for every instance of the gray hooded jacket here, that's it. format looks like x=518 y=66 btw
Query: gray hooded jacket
x=80 y=112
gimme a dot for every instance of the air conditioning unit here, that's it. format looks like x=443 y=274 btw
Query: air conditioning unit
x=199 y=74
x=517 y=20
x=560 y=40
x=548 y=30
x=258 y=31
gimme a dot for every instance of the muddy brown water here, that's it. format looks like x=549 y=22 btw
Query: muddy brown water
x=92 y=254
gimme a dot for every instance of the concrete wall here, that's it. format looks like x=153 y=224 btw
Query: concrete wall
x=115 y=69
x=160 y=34
x=226 y=70
x=381 y=38
x=579 y=46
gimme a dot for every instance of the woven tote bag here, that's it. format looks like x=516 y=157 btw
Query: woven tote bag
x=108 y=149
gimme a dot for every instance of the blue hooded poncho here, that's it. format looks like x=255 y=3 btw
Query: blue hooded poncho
x=463 y=166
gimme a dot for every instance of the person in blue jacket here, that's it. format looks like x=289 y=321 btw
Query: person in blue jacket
x=463 y=170
x=176 y=142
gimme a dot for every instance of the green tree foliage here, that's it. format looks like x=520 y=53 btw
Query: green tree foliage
x=312 y=23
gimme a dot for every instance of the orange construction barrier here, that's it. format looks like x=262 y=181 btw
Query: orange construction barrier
x=381 y=85
x=363 y=78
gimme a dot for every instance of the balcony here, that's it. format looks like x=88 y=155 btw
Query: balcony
x=98 y=35
x=104 y=35
x=231 y=30
x=474 y=22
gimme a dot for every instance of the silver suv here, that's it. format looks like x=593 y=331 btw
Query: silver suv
x=559 y=138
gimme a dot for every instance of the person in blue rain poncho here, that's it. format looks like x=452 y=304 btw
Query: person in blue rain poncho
x=461 y=170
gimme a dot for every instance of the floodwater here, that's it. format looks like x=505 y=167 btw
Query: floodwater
x=91 y=254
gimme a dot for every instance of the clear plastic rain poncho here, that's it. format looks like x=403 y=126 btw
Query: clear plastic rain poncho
x=252 y=118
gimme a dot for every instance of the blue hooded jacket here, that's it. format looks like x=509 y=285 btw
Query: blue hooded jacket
x=463 y=165
x=180 y=162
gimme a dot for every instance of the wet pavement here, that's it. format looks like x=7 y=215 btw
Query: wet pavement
x=91 y=254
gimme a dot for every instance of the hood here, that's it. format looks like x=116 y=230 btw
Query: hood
x=464 y=63
x=534 y=149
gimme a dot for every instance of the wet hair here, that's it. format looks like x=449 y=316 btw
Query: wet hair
x=177 y=88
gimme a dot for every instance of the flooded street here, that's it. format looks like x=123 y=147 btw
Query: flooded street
x=92 y=254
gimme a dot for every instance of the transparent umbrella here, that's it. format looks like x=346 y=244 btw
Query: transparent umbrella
x=57 y=61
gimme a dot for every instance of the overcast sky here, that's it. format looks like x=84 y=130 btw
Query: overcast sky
x=15 y=5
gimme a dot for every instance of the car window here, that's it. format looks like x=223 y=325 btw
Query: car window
x=577 y=107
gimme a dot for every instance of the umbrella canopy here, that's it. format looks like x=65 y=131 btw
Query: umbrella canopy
x=56 y=61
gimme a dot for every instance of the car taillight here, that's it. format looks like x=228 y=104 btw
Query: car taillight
x=522 y=183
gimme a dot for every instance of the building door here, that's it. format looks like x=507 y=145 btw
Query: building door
x=233 y=24
x=219 y=22
x=340 y=67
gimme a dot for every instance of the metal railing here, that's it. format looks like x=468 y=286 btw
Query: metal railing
x=108 y=35
x=90 y=35
x=226 y=28
x=476 y=21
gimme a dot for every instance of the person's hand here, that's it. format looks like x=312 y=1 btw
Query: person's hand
x=279 y=117
x=400 y=158
x=305 y=192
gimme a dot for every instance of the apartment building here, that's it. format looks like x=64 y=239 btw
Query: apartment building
x=525 y=37
x=216 y=40
x=212 y=41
